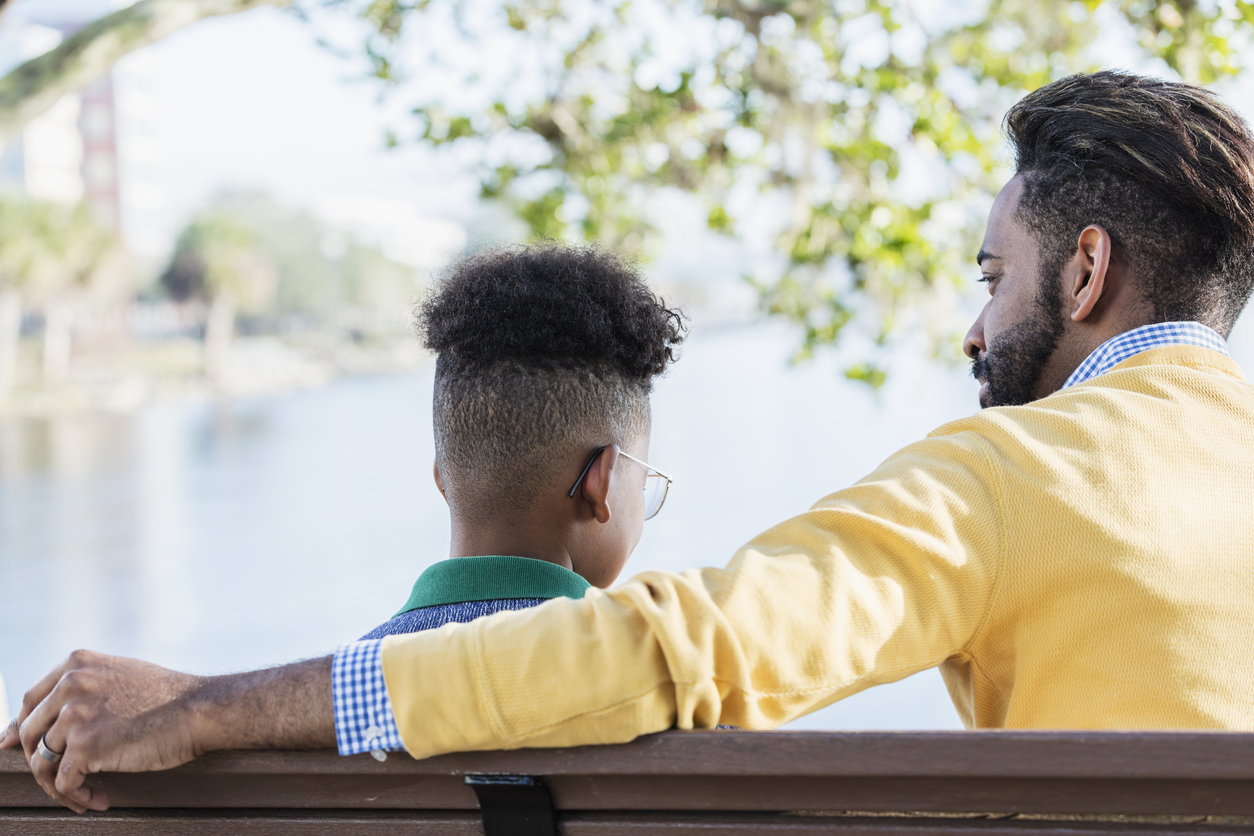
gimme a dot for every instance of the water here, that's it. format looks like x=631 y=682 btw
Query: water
x=213 y=537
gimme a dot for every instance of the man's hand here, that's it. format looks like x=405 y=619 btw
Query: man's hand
x=105 y=714
x=110 y=714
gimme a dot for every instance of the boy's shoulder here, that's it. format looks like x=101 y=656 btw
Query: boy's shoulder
x=429 y=618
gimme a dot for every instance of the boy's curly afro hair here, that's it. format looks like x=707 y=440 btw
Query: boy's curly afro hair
x=544 y=353
x=551 y=304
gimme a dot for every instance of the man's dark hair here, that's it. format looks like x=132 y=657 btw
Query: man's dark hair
x=543 y=351
x=1166 y=168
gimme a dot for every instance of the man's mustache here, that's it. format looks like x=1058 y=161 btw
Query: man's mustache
x=980 y=367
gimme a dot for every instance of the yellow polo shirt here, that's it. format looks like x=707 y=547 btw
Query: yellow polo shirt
x=1085 y=561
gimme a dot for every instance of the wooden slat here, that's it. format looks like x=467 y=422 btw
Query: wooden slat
x=601 y=824
x=702 y=793
x=1216 y=755
x=374 y=823
x=238 y=823
x=937 y=772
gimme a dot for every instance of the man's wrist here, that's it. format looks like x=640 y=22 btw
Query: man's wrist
x=276 y=708
x=208 y=709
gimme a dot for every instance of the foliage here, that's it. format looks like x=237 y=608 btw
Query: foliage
x=861 y=134
x=217 y=259
x=23 y=254
x=49 y=248
x=313 y=270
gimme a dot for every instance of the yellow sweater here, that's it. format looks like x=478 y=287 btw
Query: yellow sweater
x=1086 y=561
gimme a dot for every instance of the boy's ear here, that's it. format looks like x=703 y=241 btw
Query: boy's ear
x=595 y=487
x=435 y=467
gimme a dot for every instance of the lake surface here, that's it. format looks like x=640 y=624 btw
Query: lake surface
x=213 y=537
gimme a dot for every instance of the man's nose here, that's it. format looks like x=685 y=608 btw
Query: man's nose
x=973 y=344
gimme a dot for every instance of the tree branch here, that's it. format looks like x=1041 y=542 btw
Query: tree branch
x=85 y=56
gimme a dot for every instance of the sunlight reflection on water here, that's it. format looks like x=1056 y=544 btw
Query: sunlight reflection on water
x=215 y=537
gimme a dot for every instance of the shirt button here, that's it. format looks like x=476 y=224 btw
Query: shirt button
x=373 y=732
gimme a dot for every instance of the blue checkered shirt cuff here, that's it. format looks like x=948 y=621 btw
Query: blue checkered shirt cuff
x=364 y=721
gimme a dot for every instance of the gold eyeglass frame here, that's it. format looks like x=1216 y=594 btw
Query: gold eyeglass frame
x=648 y=467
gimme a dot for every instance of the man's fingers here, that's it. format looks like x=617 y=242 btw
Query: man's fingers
x=71 y=785
x=62 y=706
x=44 y=687
x=45 y=773
x=38 y=723
x=11 y=737
x=64 y=779
x=37 y=699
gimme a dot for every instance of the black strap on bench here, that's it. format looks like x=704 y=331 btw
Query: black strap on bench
x=514 y=805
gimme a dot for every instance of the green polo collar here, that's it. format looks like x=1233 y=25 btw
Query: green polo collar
x=461 y=579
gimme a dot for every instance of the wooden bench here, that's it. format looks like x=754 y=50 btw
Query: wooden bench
x=794 y=783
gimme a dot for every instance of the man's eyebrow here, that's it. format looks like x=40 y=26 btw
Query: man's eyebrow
x=979 y=259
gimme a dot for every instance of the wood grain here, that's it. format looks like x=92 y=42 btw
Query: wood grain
x=373 y=823
x=237 y=823
x=1216 y=755
x=705 y=782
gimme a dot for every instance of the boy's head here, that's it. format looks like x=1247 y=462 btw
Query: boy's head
x=545 y=354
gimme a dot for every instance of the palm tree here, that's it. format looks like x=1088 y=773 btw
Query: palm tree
x=25 y=263
x=218 y=259
x=14 y=257
x=83 y=249
x=49 y=253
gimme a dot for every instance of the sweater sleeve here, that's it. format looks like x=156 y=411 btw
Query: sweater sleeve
x=891 y=576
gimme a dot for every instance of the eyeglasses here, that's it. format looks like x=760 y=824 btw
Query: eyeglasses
x=656 y=484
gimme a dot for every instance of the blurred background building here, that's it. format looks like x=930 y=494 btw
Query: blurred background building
x=100 y=145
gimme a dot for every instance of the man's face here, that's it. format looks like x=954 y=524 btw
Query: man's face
x=1019 y=329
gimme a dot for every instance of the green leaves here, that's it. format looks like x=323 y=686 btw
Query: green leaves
x=218 y=257
x=1202 y=41
x=875 y=122
x=48 y=248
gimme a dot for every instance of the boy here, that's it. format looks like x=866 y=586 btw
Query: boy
x=545 y=360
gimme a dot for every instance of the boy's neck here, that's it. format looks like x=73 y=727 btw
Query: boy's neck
x=517 y=538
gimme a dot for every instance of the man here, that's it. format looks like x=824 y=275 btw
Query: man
x=1076 y=557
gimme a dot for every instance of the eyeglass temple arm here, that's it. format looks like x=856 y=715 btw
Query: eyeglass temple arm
x=584 y=472
x=645 y=465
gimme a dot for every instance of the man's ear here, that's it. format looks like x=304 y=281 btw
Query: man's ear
x=1087 y=276
x=595 y=487
x=439 y=483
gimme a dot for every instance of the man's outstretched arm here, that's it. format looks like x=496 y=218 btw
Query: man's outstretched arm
x=111 y=714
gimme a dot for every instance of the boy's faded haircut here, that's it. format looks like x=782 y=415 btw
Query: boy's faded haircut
x=544 y=351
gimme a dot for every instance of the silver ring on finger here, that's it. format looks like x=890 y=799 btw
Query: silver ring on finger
x=47 y=754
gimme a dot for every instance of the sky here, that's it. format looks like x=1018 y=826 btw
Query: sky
x=251 y=100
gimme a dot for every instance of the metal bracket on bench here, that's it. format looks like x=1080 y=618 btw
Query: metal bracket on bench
x=514 y=805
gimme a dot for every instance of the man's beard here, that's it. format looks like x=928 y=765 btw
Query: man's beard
x=1013 y=364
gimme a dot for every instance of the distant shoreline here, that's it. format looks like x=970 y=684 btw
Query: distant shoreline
x=135 y=374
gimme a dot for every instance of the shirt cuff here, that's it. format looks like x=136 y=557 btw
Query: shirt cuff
x=364 y=721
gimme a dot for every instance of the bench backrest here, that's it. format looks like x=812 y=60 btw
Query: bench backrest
x=690 y=782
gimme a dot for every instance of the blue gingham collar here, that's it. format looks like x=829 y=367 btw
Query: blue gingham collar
x=1119 y=348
